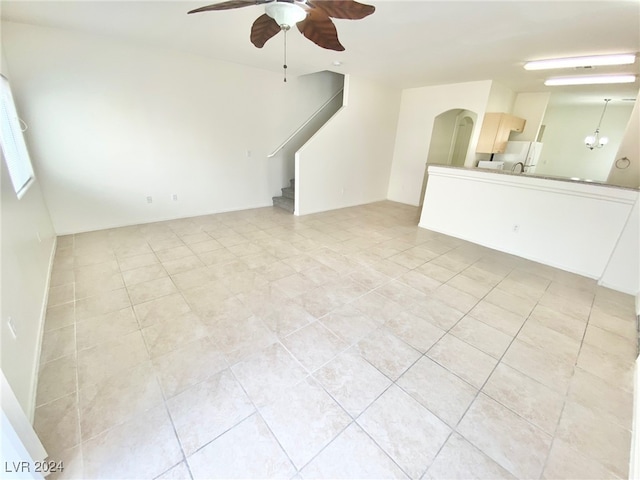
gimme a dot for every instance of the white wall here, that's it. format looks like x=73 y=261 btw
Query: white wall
x=623 y=269
x=564 y=153
x=624 y=265
x=629 y=148
x=113 y=123
x=568 y=225
x=286 y=156
x=28 y=242
x=418 y=109
x=501 y=98
x=347 y=162
x=531 y=107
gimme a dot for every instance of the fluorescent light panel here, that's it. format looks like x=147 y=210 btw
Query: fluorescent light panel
x=591 y=61
x=590 y=80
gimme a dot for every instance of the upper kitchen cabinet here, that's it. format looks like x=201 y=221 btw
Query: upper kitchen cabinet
x=495 y=131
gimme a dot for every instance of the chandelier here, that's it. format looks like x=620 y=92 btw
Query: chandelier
x=595 y=140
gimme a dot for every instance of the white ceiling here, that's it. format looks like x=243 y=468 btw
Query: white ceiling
x=408 y=43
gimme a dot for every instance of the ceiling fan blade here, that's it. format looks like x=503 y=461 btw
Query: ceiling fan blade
x=348 y=9
x=263 y=29
x=319 y=28
x=230 y=5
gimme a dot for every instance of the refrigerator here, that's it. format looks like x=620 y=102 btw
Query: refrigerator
x=526 y=152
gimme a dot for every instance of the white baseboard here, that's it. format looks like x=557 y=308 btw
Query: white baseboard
x=43 y=314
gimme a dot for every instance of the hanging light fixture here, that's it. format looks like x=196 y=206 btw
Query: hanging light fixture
x=286 y=15
x=595 y=140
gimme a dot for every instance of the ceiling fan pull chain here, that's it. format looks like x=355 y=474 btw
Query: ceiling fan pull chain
x=285 y=53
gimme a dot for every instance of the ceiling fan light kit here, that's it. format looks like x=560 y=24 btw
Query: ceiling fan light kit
x=285 y=14
x=313 y=18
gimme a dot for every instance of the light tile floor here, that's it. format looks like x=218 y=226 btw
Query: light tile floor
x=348 y=344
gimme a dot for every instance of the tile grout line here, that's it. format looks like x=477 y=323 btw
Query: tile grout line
x=256 y=411
x=394 y=382
x=75 y=338
x=516 y=413
x=480 y=389
x=157 y=380
x=568 y=391
x=369 y=290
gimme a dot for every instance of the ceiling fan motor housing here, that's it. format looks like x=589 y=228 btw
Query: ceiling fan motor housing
x=285 y=14
x=313 y=17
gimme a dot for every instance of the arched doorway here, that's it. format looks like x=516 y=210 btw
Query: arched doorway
x=462 y=137
x=450 y=140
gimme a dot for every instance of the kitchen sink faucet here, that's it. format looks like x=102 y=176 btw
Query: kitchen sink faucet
x=513 y=169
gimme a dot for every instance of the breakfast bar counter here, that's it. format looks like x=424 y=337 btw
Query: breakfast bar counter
x=548 y=177
x=575 y=225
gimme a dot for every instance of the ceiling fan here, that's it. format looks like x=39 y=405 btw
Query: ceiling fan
x=313 y=18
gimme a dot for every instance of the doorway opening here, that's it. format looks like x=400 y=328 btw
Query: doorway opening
x=450 y=140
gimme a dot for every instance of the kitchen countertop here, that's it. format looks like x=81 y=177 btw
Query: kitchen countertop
x=541 y=176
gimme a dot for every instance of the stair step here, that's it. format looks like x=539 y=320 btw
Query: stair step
x=284 y=203
x=292 y=183
x=288 y=192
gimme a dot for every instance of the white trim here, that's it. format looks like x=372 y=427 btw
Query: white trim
x=611 y=193
x=14 y=148
x=23 y=439
x=307 y=122
x=16 y=461
x=618 y=287
x=43 y=315
x=167 y=219
x=349 y=205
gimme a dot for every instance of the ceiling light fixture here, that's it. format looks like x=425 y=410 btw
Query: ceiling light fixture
x=589 y=80
x=573 y=62
x=313 y=18
x=595 y=140
x=285 y=15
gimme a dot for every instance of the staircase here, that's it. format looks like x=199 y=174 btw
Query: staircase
x=298 y=138
x=286 y=201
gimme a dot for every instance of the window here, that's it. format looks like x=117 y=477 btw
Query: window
x=14 y=149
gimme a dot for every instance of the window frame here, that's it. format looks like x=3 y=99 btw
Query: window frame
x=12 y=143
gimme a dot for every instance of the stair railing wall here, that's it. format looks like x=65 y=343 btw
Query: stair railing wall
x=307 y=122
